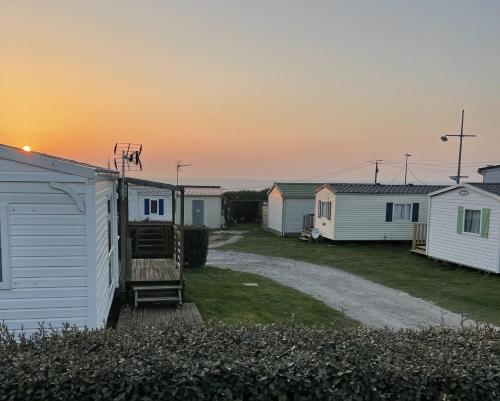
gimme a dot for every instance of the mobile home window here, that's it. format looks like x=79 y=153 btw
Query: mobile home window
x=325 y=209
x=472 y=221
x=154 y=206
x=401 y=212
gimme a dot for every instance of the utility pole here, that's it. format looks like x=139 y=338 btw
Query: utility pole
x=444 y=138
x=376 y=162
x=407 y=155
x=179 y=166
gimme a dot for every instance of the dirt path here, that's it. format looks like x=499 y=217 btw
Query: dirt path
x=367 y=302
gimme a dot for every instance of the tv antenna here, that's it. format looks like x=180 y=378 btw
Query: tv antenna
x=127 y=157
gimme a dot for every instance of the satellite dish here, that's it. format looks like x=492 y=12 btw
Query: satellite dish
x=315 y=233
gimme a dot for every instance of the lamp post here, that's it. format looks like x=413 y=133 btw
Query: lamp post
x=444 y=138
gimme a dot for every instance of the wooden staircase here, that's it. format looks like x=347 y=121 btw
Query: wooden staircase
x=156 y=280
x=307 y=226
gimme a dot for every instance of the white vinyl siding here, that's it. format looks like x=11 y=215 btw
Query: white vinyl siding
x=45 y=252
x=324 y=224
x=294 y=212
x=53 y=240
x=445 y=243
x=362 y=217
x=275 y=210
x=136 y=201
x=212 y=210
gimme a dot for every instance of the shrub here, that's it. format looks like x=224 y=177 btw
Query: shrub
x=195 y=246
x=219 y=362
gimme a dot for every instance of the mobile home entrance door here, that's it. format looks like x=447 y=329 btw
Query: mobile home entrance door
x=198 y=212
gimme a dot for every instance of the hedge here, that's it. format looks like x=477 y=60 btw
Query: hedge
x=219 y=362
x=195 y=246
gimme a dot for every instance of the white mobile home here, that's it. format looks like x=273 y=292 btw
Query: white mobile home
x=149 y=203
x=287 y=204
x=58 y=243
x=464 y=225
x=202 y=205
x=370 y=212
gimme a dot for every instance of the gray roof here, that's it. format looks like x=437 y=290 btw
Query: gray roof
x=492 y=188
x=296 y=190
x=380 y=189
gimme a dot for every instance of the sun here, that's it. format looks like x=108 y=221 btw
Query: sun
x=27 y=148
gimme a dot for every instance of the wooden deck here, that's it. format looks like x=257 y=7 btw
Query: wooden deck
x=155 y=315
x=154 y=270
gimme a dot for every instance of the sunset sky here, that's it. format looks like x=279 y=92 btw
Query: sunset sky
x=255 y=91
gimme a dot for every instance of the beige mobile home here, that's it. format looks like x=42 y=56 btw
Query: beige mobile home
x=370 y=212
x=287 y=203
x=464 y=226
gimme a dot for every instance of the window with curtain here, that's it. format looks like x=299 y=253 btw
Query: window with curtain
x=401 y=212
x=472 y=221
x=325 y=209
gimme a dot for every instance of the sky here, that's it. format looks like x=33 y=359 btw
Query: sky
x=250 y=93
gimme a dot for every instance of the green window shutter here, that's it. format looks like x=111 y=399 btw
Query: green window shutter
x=460 y=220
x=485 y=222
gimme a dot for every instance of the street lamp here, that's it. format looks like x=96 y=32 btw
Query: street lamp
x=444 y=138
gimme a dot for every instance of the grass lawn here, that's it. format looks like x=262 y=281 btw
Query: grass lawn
x=221 y=296
x=461 y=290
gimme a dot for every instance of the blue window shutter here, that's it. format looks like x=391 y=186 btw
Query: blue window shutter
x=414 y=212
x=146 y=207
x=388 y=211
x=160 y=207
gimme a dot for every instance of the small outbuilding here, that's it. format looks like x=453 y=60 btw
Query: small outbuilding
x=464 y=225
x=58 y=241
x=491 y=174
x=287 y=204
x=202 y=205
x=370 y=212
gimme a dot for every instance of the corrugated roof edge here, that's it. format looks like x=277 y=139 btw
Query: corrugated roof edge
x=276 y=185
x=380 y=189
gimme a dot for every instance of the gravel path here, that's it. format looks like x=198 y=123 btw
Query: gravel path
x=220 y=238
x=367 y=302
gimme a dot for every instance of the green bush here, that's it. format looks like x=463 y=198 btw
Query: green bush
x=195 y=246
x=219 y=362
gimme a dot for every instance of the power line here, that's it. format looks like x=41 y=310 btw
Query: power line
x=397 y=175
x=338 y=172
x=414 y=176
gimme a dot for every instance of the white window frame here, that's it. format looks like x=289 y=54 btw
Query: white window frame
x=394 y=219
x=478 y=234
x=4 y=243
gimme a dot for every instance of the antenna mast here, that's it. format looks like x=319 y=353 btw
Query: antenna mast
x=376 y=162
x=407 y=155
